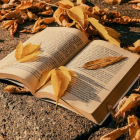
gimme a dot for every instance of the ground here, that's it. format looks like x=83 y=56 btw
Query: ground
x=24 y=117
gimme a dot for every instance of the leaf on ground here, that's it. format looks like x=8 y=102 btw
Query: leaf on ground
x=134 y=1
x=65 y=4
x=7 y=23
x=31 y=15
x=25 y=5
x=137 y=89
x=27 y=53
x=134 y=132
x=136 y=6
x=45 y=13
x=13 y=28
x=132 y=101
x=116 y=133
x=15 y=89
x=48 y=20
x=103 y=32
x=113 y=2
x=136 y=47
x=76 y=13
x=5 y=1
x=102 y=62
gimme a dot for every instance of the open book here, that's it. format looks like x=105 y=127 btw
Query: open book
x=90 y=92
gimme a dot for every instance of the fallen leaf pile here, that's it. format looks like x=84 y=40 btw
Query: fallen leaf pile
x=102 y=62
x=136 y=4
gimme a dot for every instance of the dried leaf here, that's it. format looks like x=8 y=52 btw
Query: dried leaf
x=137 y=90
x=37 y=24
x=5 y=1
x=15 y=89
x=48 y=20
x=134 y=1
x=103 y=32
x=64 y=20
x=134 y=132
x=60 y=80
x=77 y=14
x=80 y=2
x=131 y=102
x=65 y=4
x=102 y=62
x=25 y=5
x=12 y=15
x=7 y=23
x=13 y=28
x=136 y=6
x=116 y=133
x=31 y=15
x=113 y=2
x=27 y=53
x=136 y=48
x=45 y=13
x=72 y=73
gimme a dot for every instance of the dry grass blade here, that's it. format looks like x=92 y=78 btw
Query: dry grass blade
x=102 y=62
x=15 y=89
x=131 y=102
x=117 y=133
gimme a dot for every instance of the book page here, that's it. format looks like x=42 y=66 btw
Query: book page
x=91 y=87
x=58 y=46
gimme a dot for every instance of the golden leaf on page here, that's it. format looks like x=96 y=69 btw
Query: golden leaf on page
x=48 y=20
x=134 y=132
x=131 y=102
x=31 y=15
x=15 y=89
x=116 y=133
x=72 y=73
x=65 y=4
x=137 y=89
x=27 y=53
x=25 y=5
x=60 y=81
x=103 y=32
x=113 y=2
x=7 y=23
x=77 y=14
x=136 y=47
x=102 y=62
x=13 y=28
x=45 y=77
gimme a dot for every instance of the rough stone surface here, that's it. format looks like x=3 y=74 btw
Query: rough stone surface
x=23 y=117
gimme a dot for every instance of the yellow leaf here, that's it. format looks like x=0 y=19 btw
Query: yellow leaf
x=13 y=28
x=48 y=12
x=113 y=2
x=134 y=132
x=103 y=32
x=27 y=53
x=116 y=133
x=136 y=47
x=48 y=20
x=131 y=102
x=72 y=73
x=102 y=62
x=45 y=77
x=80 y=2
x=60 y=81
x=77 y=14
x=65 y=4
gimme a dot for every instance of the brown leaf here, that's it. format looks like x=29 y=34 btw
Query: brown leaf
x=116 y=133
x=137 y=90
x=7 y=23
x=13 y=28
x=48 y=20
x=65 y=4
x=134 y=1
x=64 y=19
x=102 y=62
x=134 y=132
x=80 y=2
x=113 y=2
x=15 y=89
x=136 y=6
x=12 y=15
x=11 y=4
x=136 y=47
x=131 y=102
x=45 y=13
x=5 y=1
x=31 y=15
x=25 y=5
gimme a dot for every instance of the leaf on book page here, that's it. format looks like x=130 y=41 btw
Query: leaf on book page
x=27 y=53
x=134 y=131
x=113 y=2
x=137 y=89
x=46 y=76
x=103 y=32
x=117 y=133
x=15 y=89
x=131 y=102
x=60 y=80
x=102 y=62
x=65 y=4
x=76 y=13
x=136 y=47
